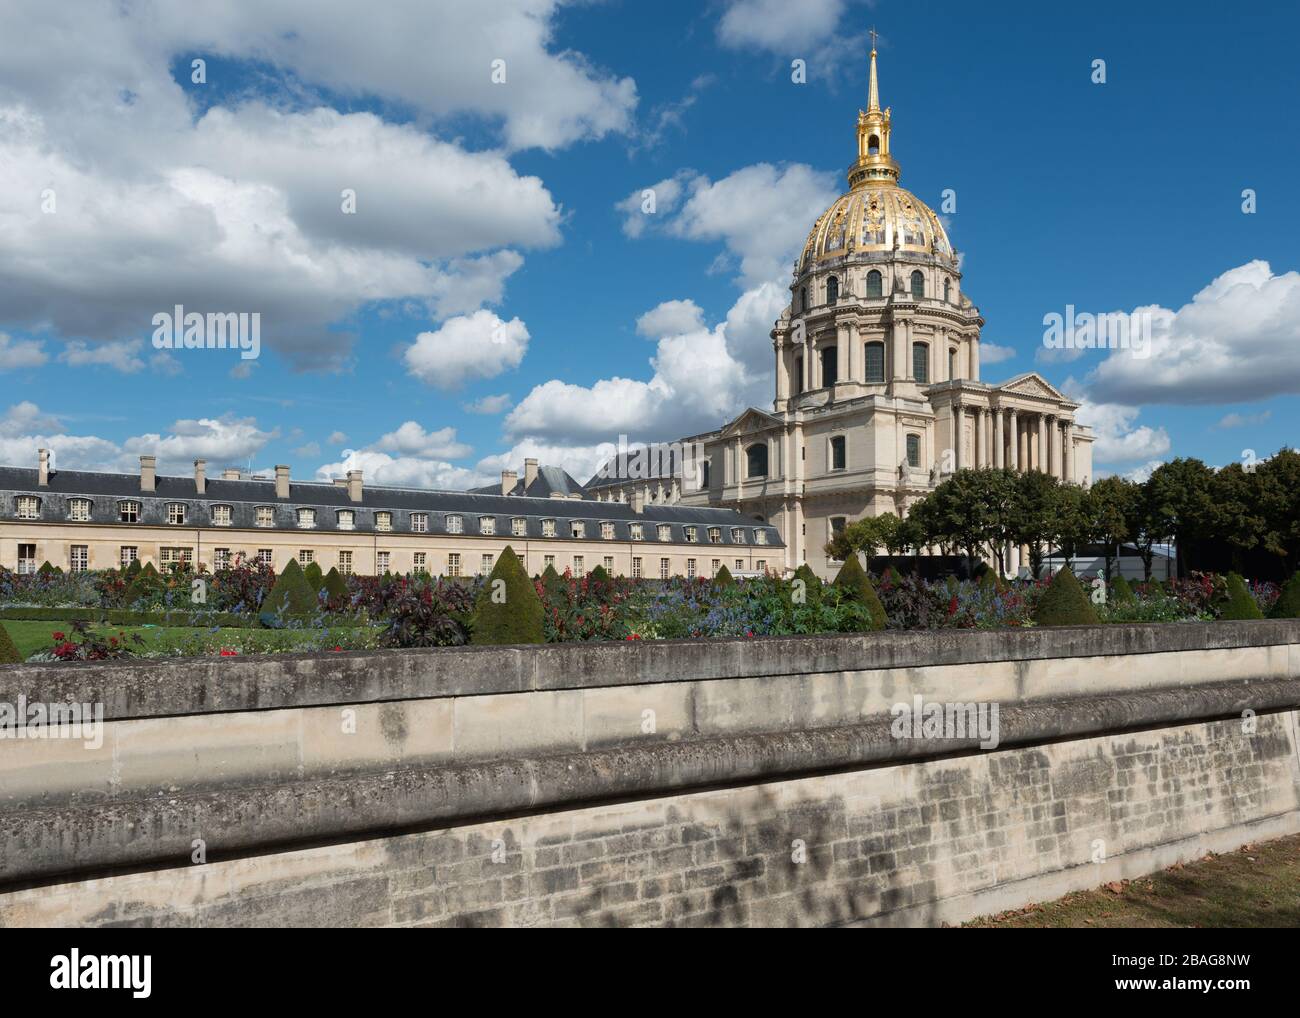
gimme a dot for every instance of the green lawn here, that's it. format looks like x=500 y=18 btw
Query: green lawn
x=30 y=637
x=1257 y=885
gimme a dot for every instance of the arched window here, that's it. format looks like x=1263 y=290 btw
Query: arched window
x=830 y=365
x=832 y=290
x=947 y=287
x=921 y=362
x=918 y=284
x=914 y=451
x=756 y=460
x=875 y=284
x=875 y=363
x=873 y=146
x=838 y=458
x=803 y=298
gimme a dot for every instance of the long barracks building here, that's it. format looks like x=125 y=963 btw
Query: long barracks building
x=81 y=520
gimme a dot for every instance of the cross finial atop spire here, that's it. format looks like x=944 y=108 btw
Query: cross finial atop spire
x=873 y=38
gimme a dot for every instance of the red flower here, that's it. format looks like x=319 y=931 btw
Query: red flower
x=229 y=652
x=58 y=636
x=337 y=648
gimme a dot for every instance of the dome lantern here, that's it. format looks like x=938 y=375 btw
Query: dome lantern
x=874 y=164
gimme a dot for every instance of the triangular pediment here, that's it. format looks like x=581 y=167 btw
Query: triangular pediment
x=749 y=421
x=1032 y=384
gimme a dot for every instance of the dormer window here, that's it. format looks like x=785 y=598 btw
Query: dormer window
x=346 y=519
x=306 y=518
x=577 y=529
x=548 y=528
x=607 y=531
x=383 y=521
x=79 y=509
x=690 y=534
x=28 y=507
x=455 y=524
x=265 y=516
x=715 y=535
x=176 y=513
x=487 y=524
x=737 y=535
x=519 y=526
x=128 y=512
x=637 y=532
x=760 y=536
x=221 y=515
x=665 y=532
x=419 y=523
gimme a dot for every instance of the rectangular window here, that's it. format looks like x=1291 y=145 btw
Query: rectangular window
x=607 y=531
x=760 y=536
x=579 y=565
x=345 y=563
x=453 y=564
x=455 y=525
x=264 y=556
x=487 y=524
x=548 y=560
x=636 y=568
x=663 y=569
x=128 y=512
x=665 y=532
x=638 y=532
x=837 y=452
x=346 y=519
x=761 y=565
x=383 y=521
x=265 y=516
x=690 y=533
x=176 y=513
x=737 y=535
x=79 y=510
x=79 y=558
x=914 y=451
x=519 y=526
x=485 y=565
x=221 y=515
x=306 y=556
x=740 y=564
x=29 y=507
x=921 y=362
x=220 y=558
x=306 y=518
x=548 y=528
x=609 y=564
x=181 y=557
x=875 y=363
x=577 y=529
x=715 y=535
x=690 y=568
x=127 y=554
x=420 y=560
x=419 y=523
x=26 y=558
x=381 y=562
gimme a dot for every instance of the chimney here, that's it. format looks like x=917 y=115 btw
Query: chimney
x=148 y=476
x=340 y=482
x=230 y=474
x=530 y=472
x=281 y=481
x=43 y=467
x=508 y=479
x=201 y=477
x=638 y=500
x=354 y=485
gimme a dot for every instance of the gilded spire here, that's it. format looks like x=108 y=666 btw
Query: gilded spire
x=873 y=93
x=874 y=166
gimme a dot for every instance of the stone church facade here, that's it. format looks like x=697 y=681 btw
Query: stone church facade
x=879 y=392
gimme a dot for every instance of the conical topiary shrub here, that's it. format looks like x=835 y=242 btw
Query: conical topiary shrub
x=46 y=569
x=133 y=570
x=1287 y=605
x=723 y=577
x=508 y=609
x=143 y=585
x=1240 y=604
x=335 y=586
x=291 y=594
x=1064 y=603
x=894 y=576
x=8 y=652
x=599 y=573
x=1122 y=592
x=314 y=576
x=853 y=581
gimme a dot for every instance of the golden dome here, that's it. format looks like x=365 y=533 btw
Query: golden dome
x=872 y=219
x=876 y=215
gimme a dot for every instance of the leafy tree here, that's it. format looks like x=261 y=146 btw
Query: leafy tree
x=1279 y=490
x=1064 y=603
x=1109 y=508
x=1036 y=509
x=853 y=582
x=1147 y=526
x=1237 y=512
x=508 y=609
x=1072 y=523
x=1181 y=503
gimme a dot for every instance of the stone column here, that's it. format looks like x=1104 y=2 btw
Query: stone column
x=1022 y=445
x=958 y=415
x=975 y=358
x=1049 y=436
x=842 y=352
x=782 y=373
x=999 y=452
x=1068 y=442
x=980 y=459
x=901 y=368
x=1012 y=447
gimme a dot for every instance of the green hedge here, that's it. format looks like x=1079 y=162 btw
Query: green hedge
x=123 y=617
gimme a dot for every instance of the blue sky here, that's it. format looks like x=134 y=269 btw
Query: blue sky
x=498 y=259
